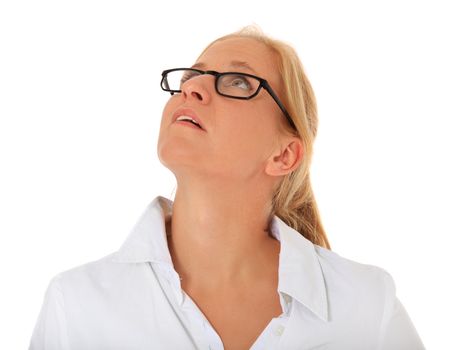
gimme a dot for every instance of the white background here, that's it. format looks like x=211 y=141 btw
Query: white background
x=80 y=105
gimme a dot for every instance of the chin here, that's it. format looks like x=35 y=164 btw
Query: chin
x=178 y=153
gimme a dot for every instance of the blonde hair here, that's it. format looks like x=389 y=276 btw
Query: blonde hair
x=293 y=201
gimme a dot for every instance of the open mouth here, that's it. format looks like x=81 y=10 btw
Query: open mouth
x=184 y=118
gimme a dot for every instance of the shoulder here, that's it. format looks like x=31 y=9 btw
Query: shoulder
x=100 y=274
x=354 y=277
x=95 y=267
x=333 y=262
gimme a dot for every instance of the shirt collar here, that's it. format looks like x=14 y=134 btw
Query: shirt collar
x=300 y=273
x=147 y=242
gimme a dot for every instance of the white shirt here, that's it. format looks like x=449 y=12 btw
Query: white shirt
x=132 y=299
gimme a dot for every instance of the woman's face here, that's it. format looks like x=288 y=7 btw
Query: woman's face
x=238 y=136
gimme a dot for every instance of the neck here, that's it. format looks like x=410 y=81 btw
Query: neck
x=220 y=235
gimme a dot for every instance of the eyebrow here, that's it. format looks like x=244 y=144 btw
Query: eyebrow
x=235 y=64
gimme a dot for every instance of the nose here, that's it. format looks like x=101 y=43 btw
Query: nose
x=195 y=88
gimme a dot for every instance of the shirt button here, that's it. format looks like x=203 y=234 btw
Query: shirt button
x=279 y=330
x=287 y=298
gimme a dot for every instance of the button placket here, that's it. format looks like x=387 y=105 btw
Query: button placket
x=201 y=325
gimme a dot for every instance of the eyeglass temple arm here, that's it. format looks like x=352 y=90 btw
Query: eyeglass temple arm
x=279 y=103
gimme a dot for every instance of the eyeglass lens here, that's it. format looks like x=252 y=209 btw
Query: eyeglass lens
x=230 y=84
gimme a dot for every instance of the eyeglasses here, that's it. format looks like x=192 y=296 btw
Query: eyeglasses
x=241 y=86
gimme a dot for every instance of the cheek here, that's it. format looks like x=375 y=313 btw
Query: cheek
x=166 y=113
x=260 y=123
x=164 y=125
x=247 y=137
x=165 y=120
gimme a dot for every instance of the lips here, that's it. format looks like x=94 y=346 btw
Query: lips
x=185 y=115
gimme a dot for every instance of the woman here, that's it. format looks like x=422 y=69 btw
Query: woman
x=240 y=260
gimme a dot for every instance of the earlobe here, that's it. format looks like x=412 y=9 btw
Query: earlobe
x=286 y=159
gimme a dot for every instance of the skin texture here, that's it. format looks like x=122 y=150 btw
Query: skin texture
x=226 y=175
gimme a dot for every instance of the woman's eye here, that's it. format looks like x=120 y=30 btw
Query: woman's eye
x=240 y=82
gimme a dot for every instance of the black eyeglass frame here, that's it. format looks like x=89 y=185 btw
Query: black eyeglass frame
x=262 y=84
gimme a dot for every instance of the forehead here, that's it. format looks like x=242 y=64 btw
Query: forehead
x=242 y=54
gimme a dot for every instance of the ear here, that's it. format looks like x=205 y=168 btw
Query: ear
x=285 y=159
